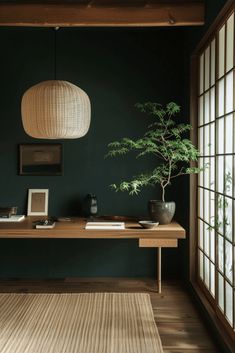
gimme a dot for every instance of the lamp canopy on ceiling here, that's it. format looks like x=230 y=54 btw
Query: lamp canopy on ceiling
x=55 y=110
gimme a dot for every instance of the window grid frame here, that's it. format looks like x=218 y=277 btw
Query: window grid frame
x=215 y=156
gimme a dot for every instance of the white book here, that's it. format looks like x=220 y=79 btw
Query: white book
x=13 y=218
x=105 y=225
x=45 y=226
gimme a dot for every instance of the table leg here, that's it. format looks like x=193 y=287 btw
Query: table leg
x=159 y=269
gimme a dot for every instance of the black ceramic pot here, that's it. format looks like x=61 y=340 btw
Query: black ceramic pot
x=160 y=211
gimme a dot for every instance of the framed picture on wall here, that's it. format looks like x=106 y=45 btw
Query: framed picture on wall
x=38 y=202
x=40 y=159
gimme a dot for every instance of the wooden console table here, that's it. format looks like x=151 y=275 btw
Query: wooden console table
x=164 y=236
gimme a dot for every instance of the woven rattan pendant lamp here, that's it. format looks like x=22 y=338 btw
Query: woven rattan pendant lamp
x=55 y=110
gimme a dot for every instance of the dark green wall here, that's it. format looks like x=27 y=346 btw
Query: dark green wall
x=117 y=68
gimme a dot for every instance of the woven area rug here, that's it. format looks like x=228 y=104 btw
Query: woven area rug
x=78 y=323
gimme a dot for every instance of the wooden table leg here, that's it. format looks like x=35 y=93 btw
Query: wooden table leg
x=159 y=269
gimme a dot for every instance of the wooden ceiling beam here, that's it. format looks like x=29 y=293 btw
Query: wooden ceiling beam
x=75 y=15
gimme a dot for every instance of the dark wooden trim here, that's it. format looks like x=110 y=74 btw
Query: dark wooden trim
x=75 y=15
x=218 y=320
x=193 y=177
x=222 y=16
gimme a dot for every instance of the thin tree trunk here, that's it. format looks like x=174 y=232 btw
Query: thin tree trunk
x=163 y=193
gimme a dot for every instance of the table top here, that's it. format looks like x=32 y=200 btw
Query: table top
x=76 y=229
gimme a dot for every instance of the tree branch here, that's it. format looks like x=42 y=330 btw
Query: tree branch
x=179 y=174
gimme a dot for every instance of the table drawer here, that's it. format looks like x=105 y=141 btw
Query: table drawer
x=156 y=243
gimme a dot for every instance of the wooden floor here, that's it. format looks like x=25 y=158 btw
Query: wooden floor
x=180 y=325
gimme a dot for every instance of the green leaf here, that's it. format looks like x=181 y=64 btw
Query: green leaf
x=166 y=141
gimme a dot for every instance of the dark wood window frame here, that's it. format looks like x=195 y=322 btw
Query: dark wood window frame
x=220 y=323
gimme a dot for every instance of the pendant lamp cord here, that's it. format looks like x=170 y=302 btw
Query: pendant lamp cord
x=55 y=52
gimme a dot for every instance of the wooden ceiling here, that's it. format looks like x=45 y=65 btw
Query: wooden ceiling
x=89 y=13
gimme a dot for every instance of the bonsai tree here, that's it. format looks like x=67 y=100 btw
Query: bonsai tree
x=164 y=140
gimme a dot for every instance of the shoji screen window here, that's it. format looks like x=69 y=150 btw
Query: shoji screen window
x=216 y=191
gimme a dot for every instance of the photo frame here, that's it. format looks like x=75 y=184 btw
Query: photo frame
x=40 y=159
x=37 y=202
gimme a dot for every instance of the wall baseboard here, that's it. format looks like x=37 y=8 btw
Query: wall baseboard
x=77 y=284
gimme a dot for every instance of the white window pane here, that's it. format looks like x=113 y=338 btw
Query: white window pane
x=234 y=275
x=207 y=272
x=201 y=141
x=229 y=302
x=207 y=173
x=221 y=292
x=220 y=213
x=207 y=68
x=220 y=174
x=213 y=62
x=233 y=183
x=206 y=239
x=207 y=140
x=221 y=98
x=206 y=206
x=221 y=51
x=234 y=235
x=201 y=110
x=212 y=285
x=229 y=93
x=212 y=208
x=207 y=107
x=230 y=43
x=233 y=118
x=212 y=173
x=201 y=74
x=200 y=235
x=201 y=174
x=221 y=253
x=201 y=265
x=228 y=175
x=229 y=260
x=220 y=135
x=212 y=139
x=201 y=203
x=228 y=214
x=212 y=101
x=229 y=134
x=212 y=245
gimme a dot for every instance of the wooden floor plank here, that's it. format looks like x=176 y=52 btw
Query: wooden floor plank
x=180 y=326
x=188 y=350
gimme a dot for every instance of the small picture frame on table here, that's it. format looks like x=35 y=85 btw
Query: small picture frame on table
x=38 y=202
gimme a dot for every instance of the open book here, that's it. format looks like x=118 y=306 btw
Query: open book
x=105 y=225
